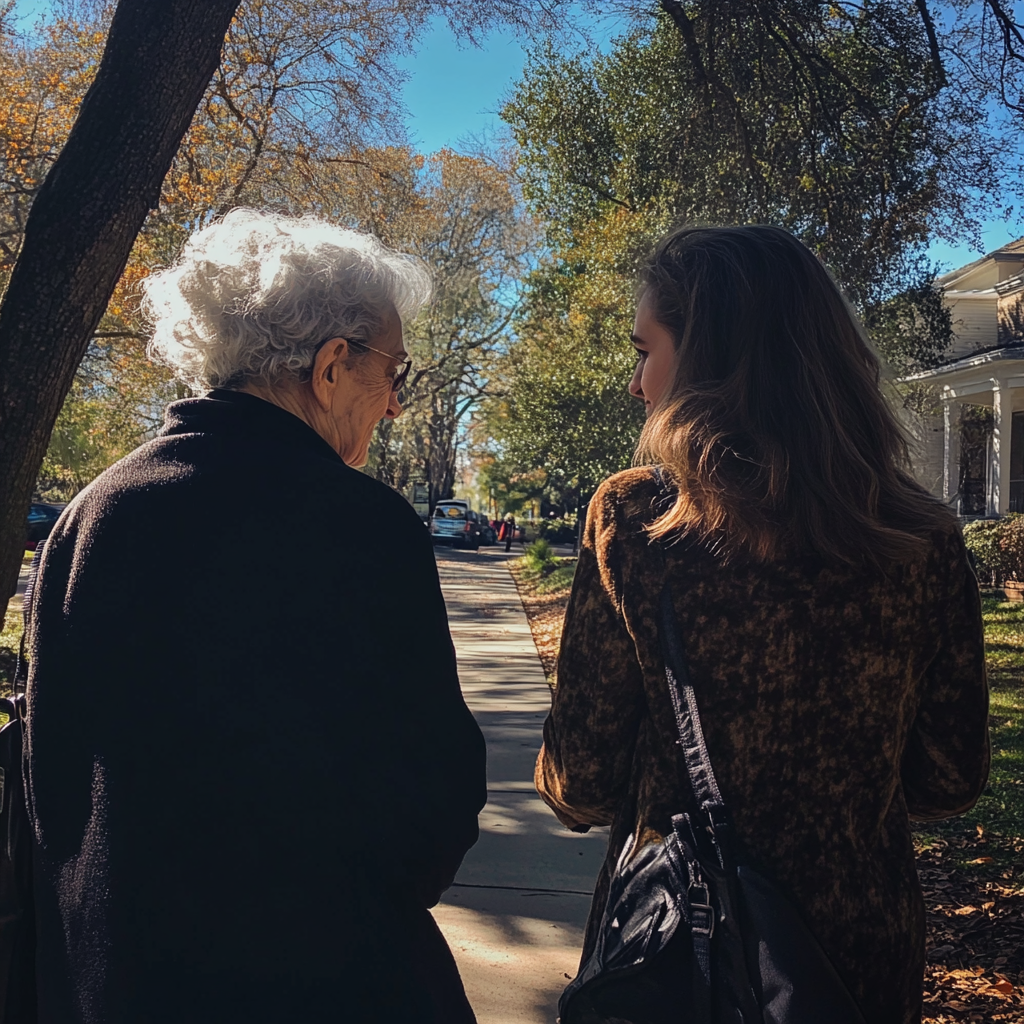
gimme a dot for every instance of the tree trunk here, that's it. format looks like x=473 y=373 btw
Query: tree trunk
x=160 y=55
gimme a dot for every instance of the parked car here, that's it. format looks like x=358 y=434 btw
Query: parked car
x=455 y=523
x=488 y=534
x=41 y=519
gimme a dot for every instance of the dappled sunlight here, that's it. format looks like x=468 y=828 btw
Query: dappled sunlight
x=515 y=916
x=516 y=951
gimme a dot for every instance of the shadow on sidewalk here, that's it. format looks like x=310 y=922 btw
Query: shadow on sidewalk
x=516 y=915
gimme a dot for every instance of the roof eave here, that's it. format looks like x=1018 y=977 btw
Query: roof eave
x=1014 y=350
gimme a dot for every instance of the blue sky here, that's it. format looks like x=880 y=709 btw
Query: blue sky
x=455 y=89
x=454 y=92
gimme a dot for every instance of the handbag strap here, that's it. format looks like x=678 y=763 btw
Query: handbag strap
x=701 y=912
x=684 y=700
x=684 y=704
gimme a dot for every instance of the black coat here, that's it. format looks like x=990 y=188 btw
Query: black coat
x=250 y=763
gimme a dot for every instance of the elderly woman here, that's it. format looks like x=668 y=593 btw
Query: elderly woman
x=251 y=767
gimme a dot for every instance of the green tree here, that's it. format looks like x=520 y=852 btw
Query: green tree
x=564 y=420
x=836 y=122
x=828 y=121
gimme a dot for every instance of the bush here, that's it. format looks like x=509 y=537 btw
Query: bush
x=998 y=548
x=982 y=537
x=538 y=555
x=539 y=561
x=558 y=531
x=1011 y=547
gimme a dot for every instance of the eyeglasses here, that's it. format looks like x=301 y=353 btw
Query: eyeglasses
x=400 y=377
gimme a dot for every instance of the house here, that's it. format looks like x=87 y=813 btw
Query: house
x=970 y=449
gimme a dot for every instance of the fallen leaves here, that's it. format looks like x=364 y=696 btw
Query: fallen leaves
x=975 y=937
x=545 y=613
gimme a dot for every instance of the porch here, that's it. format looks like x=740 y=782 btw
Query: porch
x=982 y=399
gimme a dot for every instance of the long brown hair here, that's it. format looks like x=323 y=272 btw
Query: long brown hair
x=774 y=428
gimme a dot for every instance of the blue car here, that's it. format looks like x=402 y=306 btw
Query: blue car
x=41 y=519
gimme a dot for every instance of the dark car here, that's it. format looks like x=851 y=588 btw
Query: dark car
x=488 y=534
x=485 y=535
x=40 y=522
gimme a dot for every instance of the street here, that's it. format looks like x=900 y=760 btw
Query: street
x=515 y=916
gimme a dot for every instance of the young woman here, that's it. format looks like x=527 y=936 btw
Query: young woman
x=831 y=620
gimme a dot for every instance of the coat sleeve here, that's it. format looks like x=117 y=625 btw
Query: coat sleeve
x=583 y=769
x=946 y=760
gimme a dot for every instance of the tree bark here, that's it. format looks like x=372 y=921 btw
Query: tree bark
x=159 y=58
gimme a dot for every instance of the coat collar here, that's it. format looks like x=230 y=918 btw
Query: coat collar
x=235 y=412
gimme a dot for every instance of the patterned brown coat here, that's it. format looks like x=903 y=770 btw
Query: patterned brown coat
x=834 y=702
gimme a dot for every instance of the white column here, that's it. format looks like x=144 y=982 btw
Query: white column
x=1002 y=428
x=950 y=450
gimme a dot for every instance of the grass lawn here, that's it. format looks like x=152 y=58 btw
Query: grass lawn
x=997 y=820
x=971 y=868
x=10 y=638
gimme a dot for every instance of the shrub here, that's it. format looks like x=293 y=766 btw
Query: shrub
x=982 y=537
x=539 y=559
x=538 y=553
x=1011 y=547
x=558 y=531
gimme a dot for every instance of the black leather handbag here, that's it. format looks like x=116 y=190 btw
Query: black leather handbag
x=693 y=933
x=17 y=912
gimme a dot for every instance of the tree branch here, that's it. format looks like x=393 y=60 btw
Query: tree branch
x=158 y=60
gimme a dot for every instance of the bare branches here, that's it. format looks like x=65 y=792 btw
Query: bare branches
x=933 y=41
x=1009 y=28
x=461 y=215
x=677 y=13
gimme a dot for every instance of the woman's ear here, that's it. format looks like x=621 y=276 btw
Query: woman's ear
x=327 y=371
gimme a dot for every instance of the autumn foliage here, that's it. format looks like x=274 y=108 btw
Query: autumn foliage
x=294 y=119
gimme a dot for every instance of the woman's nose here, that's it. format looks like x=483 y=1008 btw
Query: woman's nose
x=394 y=409
x=635 y=388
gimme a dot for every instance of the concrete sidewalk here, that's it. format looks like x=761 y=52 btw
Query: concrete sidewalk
x=515 y=916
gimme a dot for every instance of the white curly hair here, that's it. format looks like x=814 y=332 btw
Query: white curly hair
x=252 y=296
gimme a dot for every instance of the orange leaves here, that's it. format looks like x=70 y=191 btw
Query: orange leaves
x=42 y=81
x=975 y=948
x=124 y=303
x=972 y=990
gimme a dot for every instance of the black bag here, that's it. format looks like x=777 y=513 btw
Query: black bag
x=691 y=933
x=17 y=912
